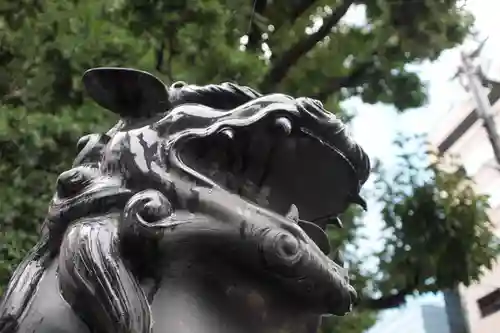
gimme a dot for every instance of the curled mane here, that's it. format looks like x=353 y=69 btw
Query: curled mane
x=80 y=231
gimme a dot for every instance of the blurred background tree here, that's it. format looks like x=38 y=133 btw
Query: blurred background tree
x=301 y=47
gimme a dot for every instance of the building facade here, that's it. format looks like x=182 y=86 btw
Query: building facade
x=461 y=133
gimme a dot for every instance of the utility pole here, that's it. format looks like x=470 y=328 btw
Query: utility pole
x=474 y=76
x=475 y=82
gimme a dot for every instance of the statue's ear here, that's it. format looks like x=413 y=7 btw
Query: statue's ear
x=127 y=92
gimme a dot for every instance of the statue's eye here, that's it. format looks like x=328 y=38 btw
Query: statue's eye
x=179 y=84
x=72 y=182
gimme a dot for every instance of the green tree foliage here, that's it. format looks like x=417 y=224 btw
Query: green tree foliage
x=302 y=47
x=356 y=322
x=437 y=231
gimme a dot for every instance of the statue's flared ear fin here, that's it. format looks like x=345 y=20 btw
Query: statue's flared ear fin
x=360 y=201
x=127 y=92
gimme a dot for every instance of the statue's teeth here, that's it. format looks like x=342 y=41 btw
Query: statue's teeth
x=284 y=124
x=337 y=222
x=293 y=213
x=228 y=132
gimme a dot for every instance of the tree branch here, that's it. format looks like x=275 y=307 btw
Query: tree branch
x=160 y=65
x=349 y=81
x=255 y=34
x=300 y=9
x=390 y=301
x=289 y=58
x=295 y=12
x=386 y=302
x=159 y=55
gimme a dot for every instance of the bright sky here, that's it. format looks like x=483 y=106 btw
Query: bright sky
x=443 y=94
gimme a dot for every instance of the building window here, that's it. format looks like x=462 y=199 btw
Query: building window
x=490 y=303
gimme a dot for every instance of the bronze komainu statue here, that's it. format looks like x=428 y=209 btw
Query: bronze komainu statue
x=203 y=211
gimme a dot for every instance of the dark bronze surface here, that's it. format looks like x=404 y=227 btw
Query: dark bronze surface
x=201 y=211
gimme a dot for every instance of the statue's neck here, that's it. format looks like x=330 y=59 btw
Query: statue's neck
x=181 y=307
x=191 y=299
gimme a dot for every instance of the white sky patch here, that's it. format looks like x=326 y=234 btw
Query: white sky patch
x=355 y=16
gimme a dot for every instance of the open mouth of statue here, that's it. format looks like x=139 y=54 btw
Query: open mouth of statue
x=278 y=166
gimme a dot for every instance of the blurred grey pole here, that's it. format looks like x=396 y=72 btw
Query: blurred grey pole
x=483 y=108
x=457 y=315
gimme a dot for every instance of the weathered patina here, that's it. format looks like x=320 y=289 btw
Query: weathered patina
x=203 y=210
